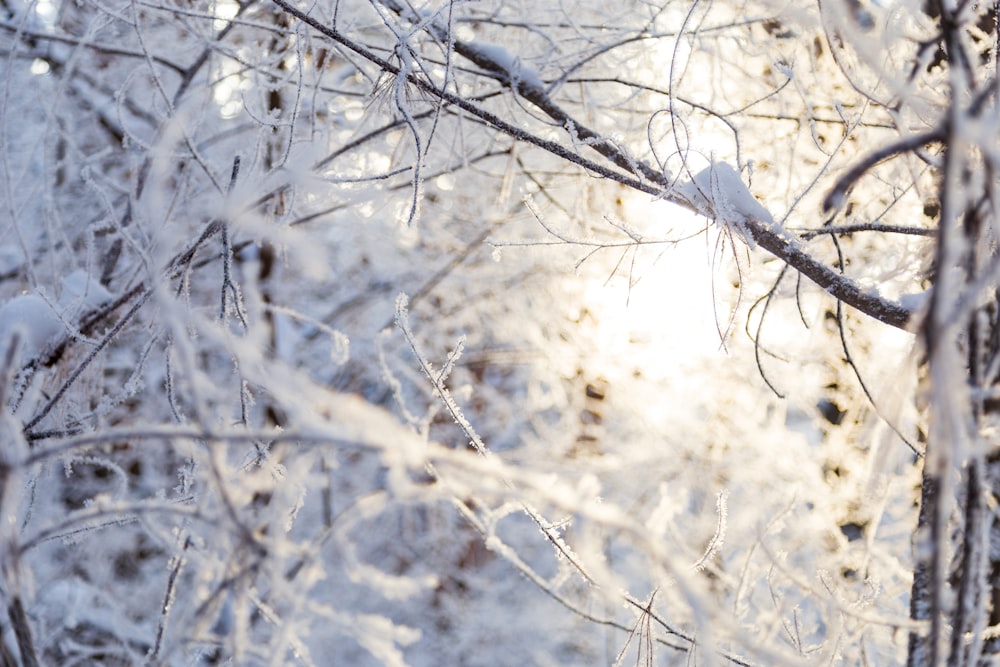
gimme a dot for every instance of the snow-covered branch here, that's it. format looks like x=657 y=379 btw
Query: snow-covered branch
x=497 y=63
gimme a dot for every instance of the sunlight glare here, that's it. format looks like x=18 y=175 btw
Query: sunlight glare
x=39 y=67
x=46 y=11
x=225 y=11
x=665 y=321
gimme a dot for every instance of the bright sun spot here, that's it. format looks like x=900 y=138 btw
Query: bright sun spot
x=445 y=182
x=225 y=11
x=227 y=90
x=39 y=67
x=665 y=320
x=46 y=11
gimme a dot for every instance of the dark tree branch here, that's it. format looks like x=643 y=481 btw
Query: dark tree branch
x=629 y=172
x=835 y=199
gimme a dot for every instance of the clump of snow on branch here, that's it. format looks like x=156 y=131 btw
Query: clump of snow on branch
x=718 y=192
x=40 y=321
x=501 y=59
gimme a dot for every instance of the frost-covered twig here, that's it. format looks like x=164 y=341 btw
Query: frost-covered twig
x=722 y=514
x=229 y=288
x=436 y=379
x=842 y=230
x=177 y=563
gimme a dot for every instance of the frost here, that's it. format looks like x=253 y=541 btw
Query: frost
x=718 y=192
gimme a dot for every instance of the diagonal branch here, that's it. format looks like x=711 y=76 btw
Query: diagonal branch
x=496 y=64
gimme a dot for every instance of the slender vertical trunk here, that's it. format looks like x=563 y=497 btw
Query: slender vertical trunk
x=955 y=575
x=918 y=653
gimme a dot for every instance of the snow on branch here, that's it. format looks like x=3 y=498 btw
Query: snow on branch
x=627 y=170
x=41 y=322
x=719 y=193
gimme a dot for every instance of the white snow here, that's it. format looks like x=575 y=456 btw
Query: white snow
x=913 y=302
x=34 y=320
x=718 y=192
x=80 y=293
x=503 y=60
x=41 y=322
